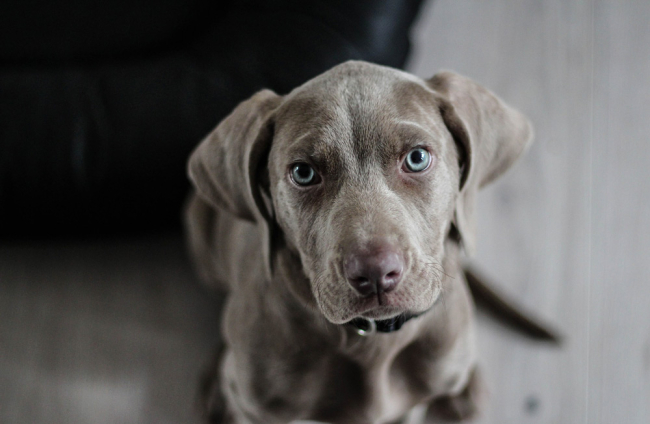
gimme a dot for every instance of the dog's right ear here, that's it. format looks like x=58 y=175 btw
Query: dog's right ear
x=225 y=166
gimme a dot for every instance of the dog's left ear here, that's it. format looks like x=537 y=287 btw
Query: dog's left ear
x=228 y=167
x=490 y=136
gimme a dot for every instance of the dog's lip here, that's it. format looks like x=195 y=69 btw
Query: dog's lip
x=382 y=313
x=369 y=307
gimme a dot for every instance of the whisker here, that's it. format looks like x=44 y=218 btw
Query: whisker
x=443 y=299
x=439 y=267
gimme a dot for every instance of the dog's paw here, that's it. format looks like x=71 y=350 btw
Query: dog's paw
x=218 y=416
x=464 y=406
x=211 y=402
x=212 y=405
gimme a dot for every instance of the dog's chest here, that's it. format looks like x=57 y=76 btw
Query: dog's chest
x=375 y=383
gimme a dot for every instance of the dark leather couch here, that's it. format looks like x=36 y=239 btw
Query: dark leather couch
x=101 y=102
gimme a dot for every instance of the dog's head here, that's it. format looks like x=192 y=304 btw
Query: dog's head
x=361 y=174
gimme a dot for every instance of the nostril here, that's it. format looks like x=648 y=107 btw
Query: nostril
x=389 y=282
x=360 y=281
x=363 y=285
x=392 y=275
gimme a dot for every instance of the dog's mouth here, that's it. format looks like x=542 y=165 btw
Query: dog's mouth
x=378 y=306
x=367 y=326
x=385 y=311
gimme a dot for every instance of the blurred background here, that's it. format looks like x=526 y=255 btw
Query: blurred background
x=101 y=317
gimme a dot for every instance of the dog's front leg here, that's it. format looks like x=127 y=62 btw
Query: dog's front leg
x=463 y=406
x=220 y=402
x=212 y=403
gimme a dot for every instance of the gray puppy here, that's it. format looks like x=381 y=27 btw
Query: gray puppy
x=334 y=218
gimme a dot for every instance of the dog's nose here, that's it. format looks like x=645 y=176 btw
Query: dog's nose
x=374 y=272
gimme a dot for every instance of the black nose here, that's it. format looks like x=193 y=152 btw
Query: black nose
x=376 y=271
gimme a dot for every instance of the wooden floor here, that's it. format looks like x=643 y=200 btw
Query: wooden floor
x=117 y=331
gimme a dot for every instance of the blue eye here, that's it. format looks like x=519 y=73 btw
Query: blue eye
x=303 y=174
x=417 y=160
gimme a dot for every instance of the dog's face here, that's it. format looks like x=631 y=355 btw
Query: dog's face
x=364 y=180
x=364 y=170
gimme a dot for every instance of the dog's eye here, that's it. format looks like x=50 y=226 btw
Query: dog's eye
x=417 y=160
x=303 y=174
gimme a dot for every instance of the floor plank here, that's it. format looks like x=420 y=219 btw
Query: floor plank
x=620 y=296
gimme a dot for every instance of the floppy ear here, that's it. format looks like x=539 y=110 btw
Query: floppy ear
x=490 y=136
x=226 y=167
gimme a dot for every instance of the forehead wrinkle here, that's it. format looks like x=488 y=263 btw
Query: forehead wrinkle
x=334 y=145
x=417 y=125
x=415 y=130
x=315 y=149
x=329 y=148
x=429 y=113
x=370 y=123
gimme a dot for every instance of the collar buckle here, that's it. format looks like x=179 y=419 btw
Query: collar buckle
x=364 y=326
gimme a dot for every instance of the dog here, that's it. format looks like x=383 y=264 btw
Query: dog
x=335 y=217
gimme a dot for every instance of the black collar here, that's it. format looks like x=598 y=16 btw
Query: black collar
x=366 y=327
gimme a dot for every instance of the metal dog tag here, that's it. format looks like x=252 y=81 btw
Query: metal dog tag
x=365 y=327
